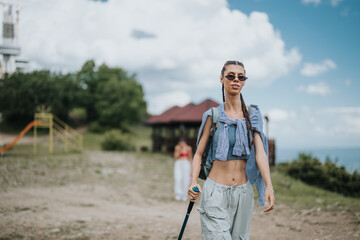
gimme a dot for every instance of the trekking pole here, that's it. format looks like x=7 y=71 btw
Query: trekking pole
x=191 y=204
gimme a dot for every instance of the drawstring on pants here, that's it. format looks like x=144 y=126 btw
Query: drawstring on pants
x=229 y=191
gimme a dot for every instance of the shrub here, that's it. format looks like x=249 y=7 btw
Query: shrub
x=117 y=140
x=327 y=176
x=96 y=127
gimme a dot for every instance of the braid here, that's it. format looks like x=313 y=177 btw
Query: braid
x=223 y=92
x=248 y=122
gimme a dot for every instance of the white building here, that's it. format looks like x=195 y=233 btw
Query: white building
x=9 y=42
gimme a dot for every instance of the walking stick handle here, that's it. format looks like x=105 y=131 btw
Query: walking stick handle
x=191 y=204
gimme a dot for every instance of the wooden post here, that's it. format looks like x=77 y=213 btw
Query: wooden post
x=66 y=138
x=51 y=140
x=81 y=142
x=35 y=136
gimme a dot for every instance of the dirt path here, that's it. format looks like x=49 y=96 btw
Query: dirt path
x=94 y=212
x=117 y=196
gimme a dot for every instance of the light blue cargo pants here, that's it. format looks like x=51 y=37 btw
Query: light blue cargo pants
x=226 y=211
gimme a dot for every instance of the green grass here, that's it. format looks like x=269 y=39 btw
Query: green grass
x=140 y=136
x=301 y=195
x=92 y=141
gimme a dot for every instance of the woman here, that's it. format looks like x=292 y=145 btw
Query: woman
x=182 y=169
x=238 y=153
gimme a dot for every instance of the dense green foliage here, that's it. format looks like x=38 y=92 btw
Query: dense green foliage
x=22 y=93
x=327 y=176
x=111 y=98
x=117 y=140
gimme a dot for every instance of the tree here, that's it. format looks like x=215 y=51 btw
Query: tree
x=22 y=93
x=88 y=80
x=110 y=96
x=120 y=103
x=120 y=99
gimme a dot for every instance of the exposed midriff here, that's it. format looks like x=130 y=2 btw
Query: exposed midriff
x=229 y=172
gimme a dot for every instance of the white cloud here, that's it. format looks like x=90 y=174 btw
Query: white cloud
x=172 y=45
x=314 y=69
x=354 y=111
x=315 y=2
x=279 y=115
x=348 y=82
x=279 y=120
x=161 y=102
x=348 y=119
x=316 y=127
x=319 y=88
x=334 y=3
x=320 y=130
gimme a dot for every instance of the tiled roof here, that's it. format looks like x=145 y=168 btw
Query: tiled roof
x=189 y=113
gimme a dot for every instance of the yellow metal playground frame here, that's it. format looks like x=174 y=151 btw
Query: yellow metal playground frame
x=71 y=138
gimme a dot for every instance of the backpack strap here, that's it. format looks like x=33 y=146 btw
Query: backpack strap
x=215 y=117
x=250 y=111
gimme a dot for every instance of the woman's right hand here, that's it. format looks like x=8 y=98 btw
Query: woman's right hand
x=192 y=194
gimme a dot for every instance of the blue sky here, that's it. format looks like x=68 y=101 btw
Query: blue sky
x=301 y=55
x=323 y=30
x=320 y=31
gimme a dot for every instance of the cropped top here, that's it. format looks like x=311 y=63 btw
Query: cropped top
x=230 y=142
x=230 y=139
x=184 y=154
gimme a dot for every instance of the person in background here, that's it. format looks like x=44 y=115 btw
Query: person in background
x=182 y=170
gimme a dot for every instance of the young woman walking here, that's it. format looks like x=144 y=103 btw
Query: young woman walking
x=239 y=154
x=182 y=169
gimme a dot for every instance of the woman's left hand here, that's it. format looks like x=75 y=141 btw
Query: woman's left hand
x=269 y=194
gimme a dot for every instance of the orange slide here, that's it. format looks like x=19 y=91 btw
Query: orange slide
x=23 y=132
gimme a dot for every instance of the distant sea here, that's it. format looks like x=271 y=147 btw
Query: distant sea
x=347 y=157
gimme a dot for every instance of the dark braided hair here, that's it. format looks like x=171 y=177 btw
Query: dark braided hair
x=248 y=122
x=223 y=92
x=243 y=105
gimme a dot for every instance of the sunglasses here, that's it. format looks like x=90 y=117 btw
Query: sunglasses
x=232 y=77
